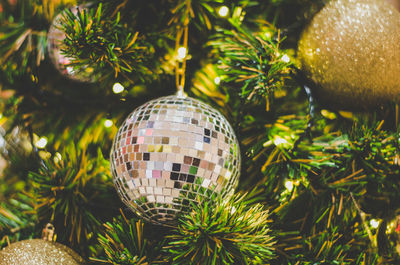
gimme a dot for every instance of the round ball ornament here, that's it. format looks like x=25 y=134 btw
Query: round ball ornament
x=351 y=51
x=171 y=151
x=39 y=252
x=55 y=42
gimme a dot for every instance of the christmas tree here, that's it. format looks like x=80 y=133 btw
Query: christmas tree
x=307 y=89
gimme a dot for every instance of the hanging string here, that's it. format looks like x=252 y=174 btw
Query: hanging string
x=181 y=42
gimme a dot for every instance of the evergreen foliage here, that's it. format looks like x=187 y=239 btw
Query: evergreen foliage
x=17 y=220
x=91 y=41
x=75 y=194
x=254 y=60
x=124 y=242
x=324 y=187
x=221 y=232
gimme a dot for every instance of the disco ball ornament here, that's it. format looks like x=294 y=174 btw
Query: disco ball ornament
x=351 y=51
x=171 y=151
x=55 y=41
x=39 y=252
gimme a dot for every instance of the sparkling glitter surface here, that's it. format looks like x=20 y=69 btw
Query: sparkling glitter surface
x=351 y=50
x=55 y=38
x=39 y=252
x=170 y=151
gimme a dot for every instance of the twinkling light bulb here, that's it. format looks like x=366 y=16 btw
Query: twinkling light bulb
x=2 y=142
x=108 y=123
x=70 y=70
x=217 y=80
x=41 y=143
x=289 y=185
x=285 y=58
x=57 y=157
x=374 y=223
x=223 y=11
x=279 y=141
x=118 y=88
x=268 y=34
x=181 y=53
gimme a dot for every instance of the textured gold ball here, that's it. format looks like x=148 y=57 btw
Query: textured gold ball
x=351 y=51
x=39 y=252
x=170 y=152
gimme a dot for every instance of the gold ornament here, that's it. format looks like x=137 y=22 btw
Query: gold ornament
x=40 y=252
x=351 y=51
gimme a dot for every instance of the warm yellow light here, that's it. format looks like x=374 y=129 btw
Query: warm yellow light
x=57 y=157
x=217 y=80
x=108 y=123
x=267 y=143
x=374 y=223
x=41 y=143
x=223 y=11
x=328 y=114
x=289 y=185
x=279 y=141
x=118 y=88
x=44 y=154
x=1 y=116
x=182 y=53
x=285 y=58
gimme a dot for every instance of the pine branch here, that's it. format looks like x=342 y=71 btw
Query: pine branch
x=75 y=194
x=229 y=232
x=16 y=219
x=102 y=43
x=23 y=35
x=318 y=205
x=126 y=242
x=200 y=12
x=253 y=60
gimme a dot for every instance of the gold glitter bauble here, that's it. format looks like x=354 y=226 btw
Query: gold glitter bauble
x=39 y=252
x=351 y=51
x=171 y=151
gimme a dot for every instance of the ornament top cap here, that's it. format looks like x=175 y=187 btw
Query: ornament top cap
x=180 y=93
x=48 y=232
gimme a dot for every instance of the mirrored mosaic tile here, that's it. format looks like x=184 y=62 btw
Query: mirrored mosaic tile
x=169 y=152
